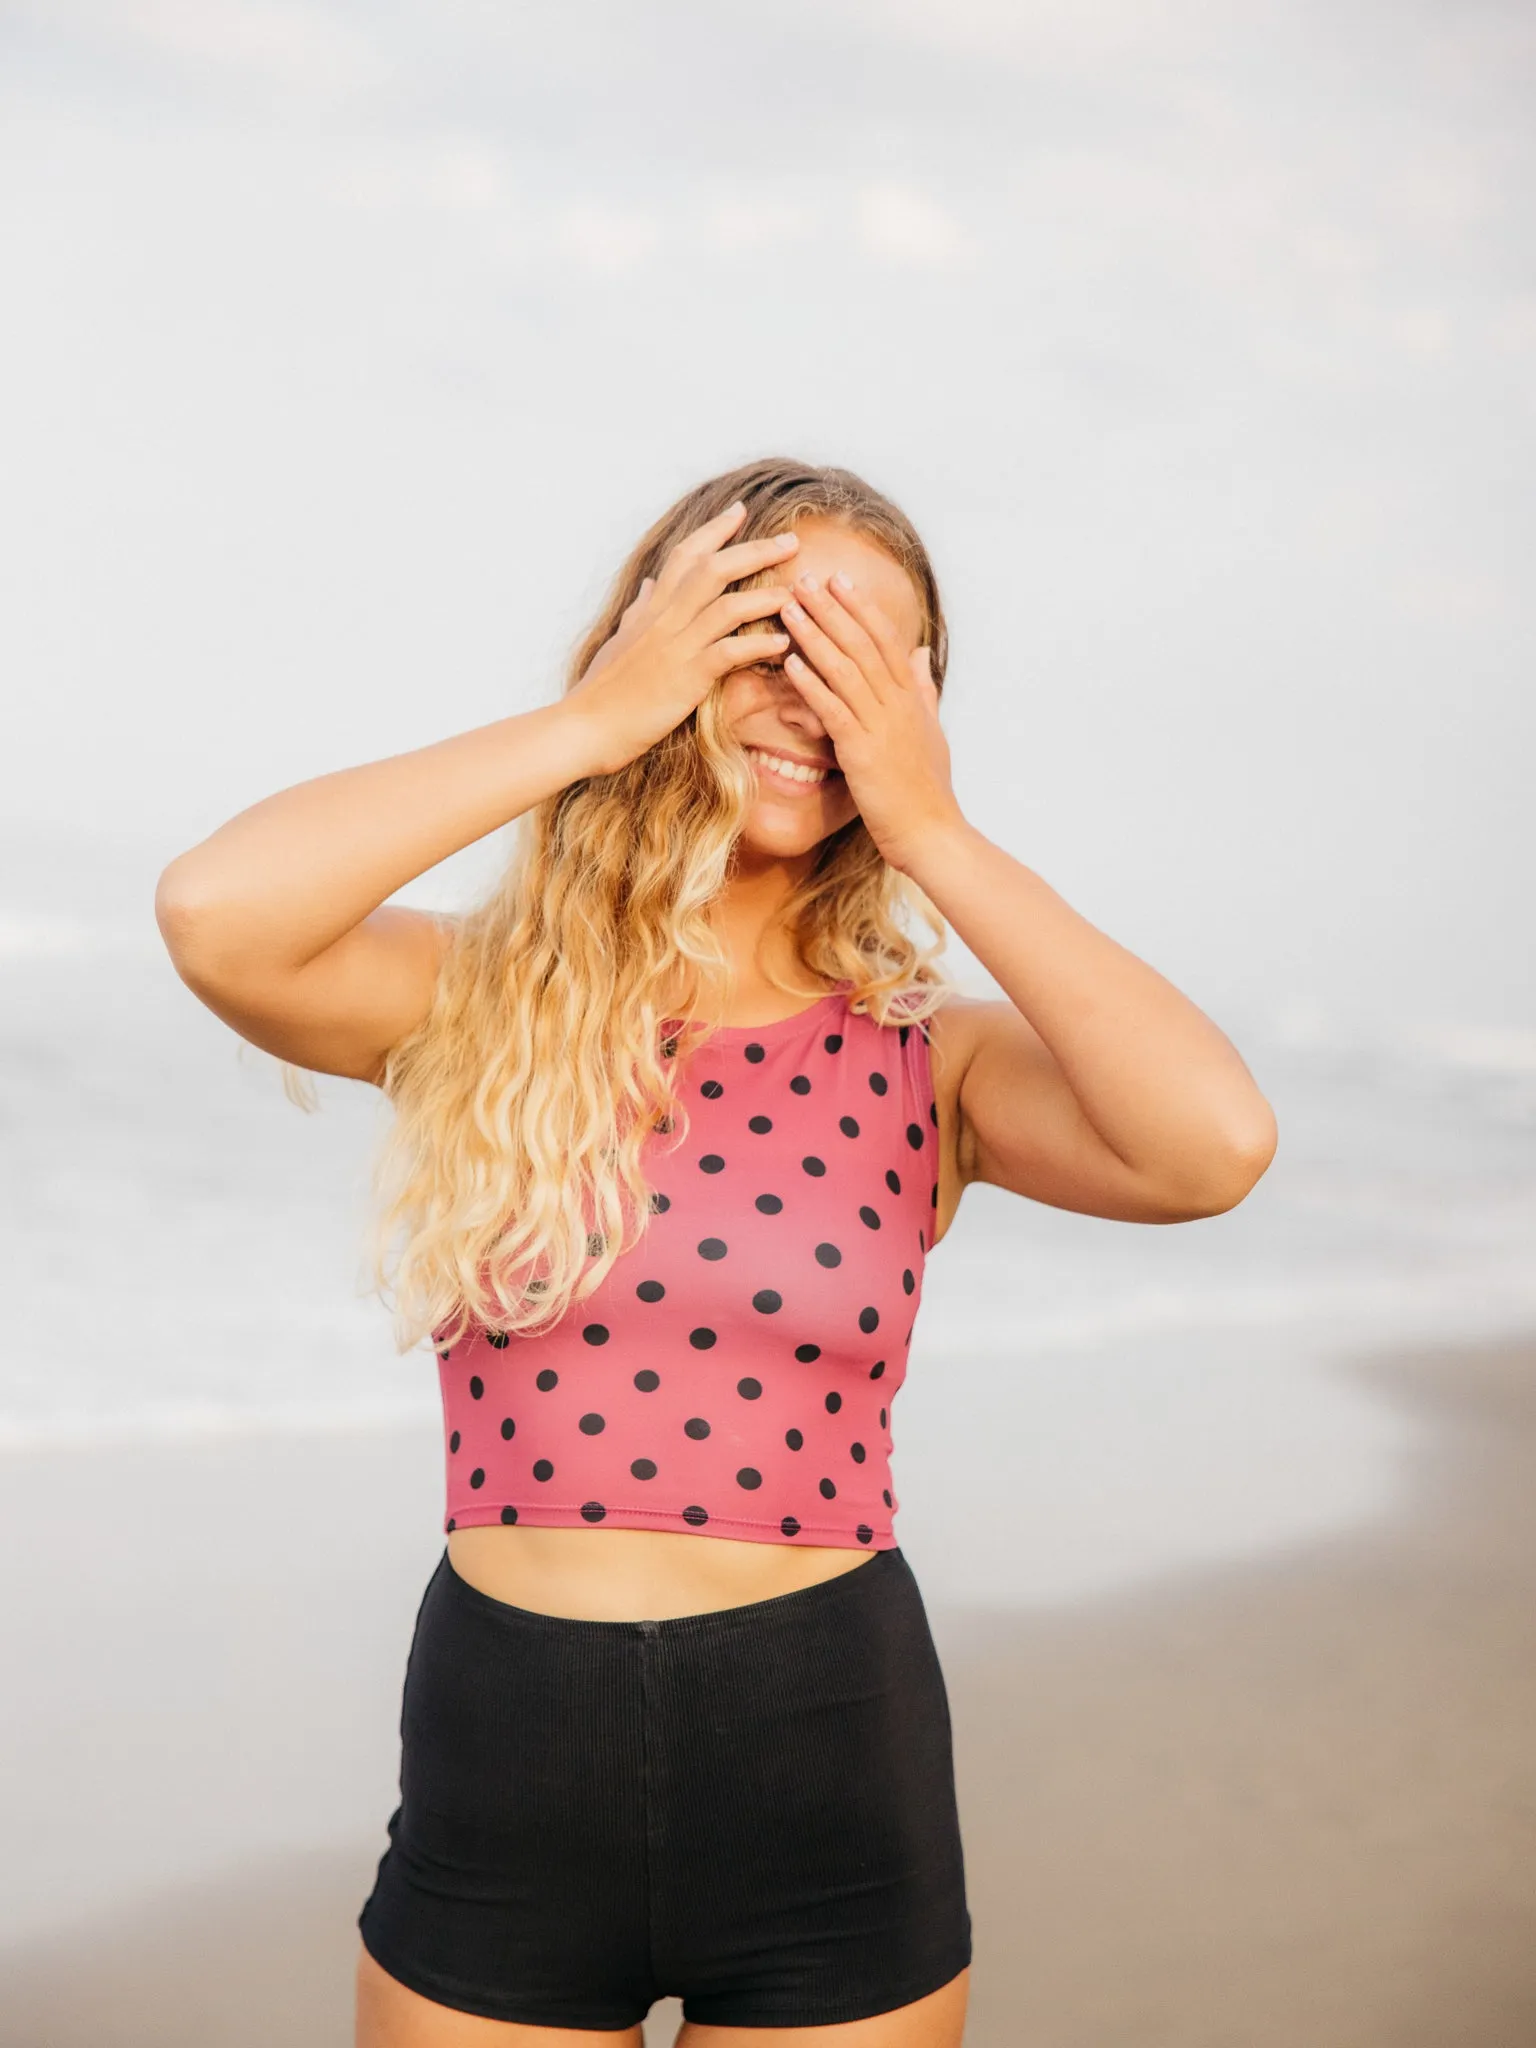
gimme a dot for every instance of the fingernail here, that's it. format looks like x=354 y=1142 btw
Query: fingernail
x=784 y=540
x=739 y=506
x=791 y=610
x=809 y=583
x=842 y=582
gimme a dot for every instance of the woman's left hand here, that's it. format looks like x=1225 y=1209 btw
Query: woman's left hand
x=879 y=705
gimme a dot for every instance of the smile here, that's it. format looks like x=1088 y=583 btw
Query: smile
x=791 y=774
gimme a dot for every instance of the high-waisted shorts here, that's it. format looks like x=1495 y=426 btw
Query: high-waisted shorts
x=752 y=1810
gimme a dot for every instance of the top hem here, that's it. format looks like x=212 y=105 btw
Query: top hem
x=546 y=1515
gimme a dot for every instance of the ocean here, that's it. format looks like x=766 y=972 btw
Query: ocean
x=1089 y=1404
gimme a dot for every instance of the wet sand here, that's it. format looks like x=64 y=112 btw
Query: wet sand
x=1286 y=1804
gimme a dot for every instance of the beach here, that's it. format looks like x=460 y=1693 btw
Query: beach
x=1268 y=1802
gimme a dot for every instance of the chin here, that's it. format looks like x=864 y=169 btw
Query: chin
x=767 y=831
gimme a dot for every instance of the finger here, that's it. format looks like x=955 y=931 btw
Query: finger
x=830 y=662
x=879 y=628
x=827 y=704
x=742 y=650
x=847 y=631
x=736 y=608
x=704 y=540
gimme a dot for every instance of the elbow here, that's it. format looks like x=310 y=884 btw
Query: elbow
x=1240 y=1162
x=190 y=926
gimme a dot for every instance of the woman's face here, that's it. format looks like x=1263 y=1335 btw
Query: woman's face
x=767 y=714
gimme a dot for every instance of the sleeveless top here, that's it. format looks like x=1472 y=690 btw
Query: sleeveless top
x=734 y=1372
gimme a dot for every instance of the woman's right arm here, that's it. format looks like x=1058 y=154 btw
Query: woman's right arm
x=279 y=921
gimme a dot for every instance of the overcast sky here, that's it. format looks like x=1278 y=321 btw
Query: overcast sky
x=349 y=348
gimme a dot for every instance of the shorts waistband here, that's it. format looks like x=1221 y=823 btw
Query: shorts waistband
x=879 y=1569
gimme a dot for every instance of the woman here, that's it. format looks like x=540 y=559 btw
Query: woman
x=680 y=1111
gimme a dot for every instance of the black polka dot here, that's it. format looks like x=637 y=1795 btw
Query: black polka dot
x=713 y=1163
x=596 y=1333
x=848 y=1126
x=828 y=1255
x=833 y=1041
x=921 y=1245
x=760 y=1124
x=933 y=1199
x=669 y=1049
x=547 y=1380
x=660 y=1204
x=664 y=1125
x=827 y=1489
x=770 y=1205
x=869 y=1216
x=453 y=1441
x=857 y=1453
x=697 y=1428
x=877 y=1368
x=695 y=1517
x=893 y=1181
x=869 y=1319
x=807 y=1353
x=749 y=1390
x=643 y=1468
x=711 y=1090
x=508 y=1428
x=767 y=1302
x=712 y=1248
x=800 y=1085
x=814 y=1167
x=592 y=1425
x=647 y=1381
x=755 y=1053
x=443 y=1355
x=701 y=1339
x=885 y=1495
x=543 y=1469
x=497 y=1339
x=915 y=1137
x=864 y=1533
x=476 y=1387
x=592 y=1511
x=477 y=1477
x=882 y=1418
x=650 y=1290
x=902 y=1033
x=878 y=1083
x=794 y=1439
x=750 y=1478
x=933 y=1114
x=834 y=1402
x=452 y=1525
x=788 y=1527
x=908 y=1280
x=509 y=1514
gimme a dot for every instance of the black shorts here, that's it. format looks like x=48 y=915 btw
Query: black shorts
x=752 y=1810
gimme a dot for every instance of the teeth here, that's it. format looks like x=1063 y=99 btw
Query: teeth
x=792 y=769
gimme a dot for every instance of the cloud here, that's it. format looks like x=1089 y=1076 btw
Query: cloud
x=902 y=226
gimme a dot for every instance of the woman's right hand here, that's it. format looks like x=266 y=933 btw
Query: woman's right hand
x=677 y=640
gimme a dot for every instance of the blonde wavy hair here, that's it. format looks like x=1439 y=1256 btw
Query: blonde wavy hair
x=512 y=1176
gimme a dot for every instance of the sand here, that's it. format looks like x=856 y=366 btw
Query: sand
x=1282 y=1804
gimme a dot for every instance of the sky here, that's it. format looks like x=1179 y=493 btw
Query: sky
x=349 y=349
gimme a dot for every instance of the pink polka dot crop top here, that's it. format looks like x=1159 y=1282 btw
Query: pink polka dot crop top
x=735 y=1371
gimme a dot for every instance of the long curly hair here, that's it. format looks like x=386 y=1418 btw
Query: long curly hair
x=512 y=1175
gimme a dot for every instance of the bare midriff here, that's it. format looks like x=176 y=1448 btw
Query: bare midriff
x=636 y=1574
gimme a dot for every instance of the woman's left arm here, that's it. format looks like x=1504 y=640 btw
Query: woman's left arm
x=1097 y=1086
